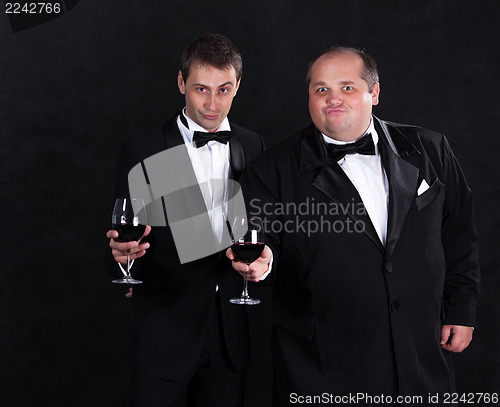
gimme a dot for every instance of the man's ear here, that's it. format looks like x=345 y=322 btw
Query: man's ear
x=375 y=94
x=181 y=84
x=237 y=87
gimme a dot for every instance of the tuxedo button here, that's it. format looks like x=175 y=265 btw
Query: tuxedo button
x=389 y=267
x=395 y=306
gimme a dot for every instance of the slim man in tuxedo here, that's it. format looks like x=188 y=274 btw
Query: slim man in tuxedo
x=190 y=345
x=375 y=274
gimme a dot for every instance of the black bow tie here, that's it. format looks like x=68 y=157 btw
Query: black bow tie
x=364 y=146
x=201 y=138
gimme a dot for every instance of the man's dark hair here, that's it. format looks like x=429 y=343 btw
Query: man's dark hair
x=369 y=74
x=211 y=50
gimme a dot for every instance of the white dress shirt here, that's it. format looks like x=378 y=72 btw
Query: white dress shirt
x=370 y=180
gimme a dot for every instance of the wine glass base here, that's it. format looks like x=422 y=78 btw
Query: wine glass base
x=127 y=281
x=244 y=301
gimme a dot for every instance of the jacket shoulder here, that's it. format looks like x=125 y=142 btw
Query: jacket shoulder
x=153 y=139
x=415 y=133
x=251 y=142
x=244 y=132
x=284 y=149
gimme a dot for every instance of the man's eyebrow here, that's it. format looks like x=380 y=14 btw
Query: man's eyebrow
x=318 y=83
x=322 y=83
x=219 y=86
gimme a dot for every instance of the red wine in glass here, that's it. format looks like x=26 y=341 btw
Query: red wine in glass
x=247 y=252
x=128 y=233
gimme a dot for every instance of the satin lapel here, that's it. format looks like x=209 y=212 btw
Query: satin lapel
x=402 y=177
x=335 y=184
x=236 y=156
x=173 y=137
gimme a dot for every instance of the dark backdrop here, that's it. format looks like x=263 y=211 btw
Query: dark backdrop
x=74 y=87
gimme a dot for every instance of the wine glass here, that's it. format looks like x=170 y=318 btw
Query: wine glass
x=129 y=220
x=247 y=247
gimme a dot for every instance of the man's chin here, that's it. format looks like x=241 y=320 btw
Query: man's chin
x=210 y=125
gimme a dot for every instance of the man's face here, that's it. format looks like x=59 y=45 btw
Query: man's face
x=340 y=103
x=209 y=94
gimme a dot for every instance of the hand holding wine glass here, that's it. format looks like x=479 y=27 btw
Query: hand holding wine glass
x=255 y=270
x=120 y=250
x=129 y=220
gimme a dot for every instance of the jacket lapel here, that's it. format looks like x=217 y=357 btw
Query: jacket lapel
x=236 y=156
x=334 y=183
x=173 y=137
x=395 y=150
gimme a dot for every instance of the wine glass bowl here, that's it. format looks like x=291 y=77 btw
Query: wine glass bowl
x=247 y=252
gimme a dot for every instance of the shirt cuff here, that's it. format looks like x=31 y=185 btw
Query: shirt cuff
x=263 y=277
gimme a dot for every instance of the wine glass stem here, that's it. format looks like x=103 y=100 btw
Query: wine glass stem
x=245 y=287
x=128 y=265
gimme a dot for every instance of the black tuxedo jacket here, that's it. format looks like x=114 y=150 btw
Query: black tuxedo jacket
x=171 y=307
x=352 y=315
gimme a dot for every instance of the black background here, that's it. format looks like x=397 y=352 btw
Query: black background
x=74 y=87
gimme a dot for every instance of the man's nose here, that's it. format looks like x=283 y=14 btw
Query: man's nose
x=334 y=98
x=211 y=102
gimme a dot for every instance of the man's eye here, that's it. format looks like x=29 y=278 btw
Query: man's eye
x=201 y=89
x=322 y=89
x=347 y=88
x=224 y=90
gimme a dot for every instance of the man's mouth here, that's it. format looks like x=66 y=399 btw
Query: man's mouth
x=210 y=116
x=334 y=111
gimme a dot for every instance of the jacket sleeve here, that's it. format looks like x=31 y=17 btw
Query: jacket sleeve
x=460 y=245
